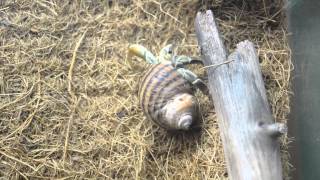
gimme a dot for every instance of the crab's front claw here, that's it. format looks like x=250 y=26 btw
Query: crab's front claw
x=137 y=50
x=142 y=52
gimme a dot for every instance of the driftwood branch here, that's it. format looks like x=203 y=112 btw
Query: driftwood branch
x=248 y=131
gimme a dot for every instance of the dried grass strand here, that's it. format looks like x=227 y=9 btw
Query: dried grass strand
x=73 y=61
x=18 y=160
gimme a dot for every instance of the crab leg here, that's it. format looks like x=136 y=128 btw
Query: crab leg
x=179 y=61
x=192 y=78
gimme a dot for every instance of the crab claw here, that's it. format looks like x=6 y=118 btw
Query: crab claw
x=137 y=50
x=142 y=52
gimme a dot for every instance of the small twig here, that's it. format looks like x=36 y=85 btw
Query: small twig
x=275 y=129
x=216 y=65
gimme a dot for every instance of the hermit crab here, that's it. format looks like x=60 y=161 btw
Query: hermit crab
x=166 y=89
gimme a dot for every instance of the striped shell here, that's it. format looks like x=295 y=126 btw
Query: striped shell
x=167 y=98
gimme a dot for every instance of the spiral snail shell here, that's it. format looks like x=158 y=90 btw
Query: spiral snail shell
x=166 y=93
x=167 y=98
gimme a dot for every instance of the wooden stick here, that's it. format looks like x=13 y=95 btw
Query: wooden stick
x=247 y=128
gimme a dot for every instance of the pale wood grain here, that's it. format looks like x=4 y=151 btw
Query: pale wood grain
x=247 y=128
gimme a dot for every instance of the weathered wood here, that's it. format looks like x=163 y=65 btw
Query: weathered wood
x=247 y=128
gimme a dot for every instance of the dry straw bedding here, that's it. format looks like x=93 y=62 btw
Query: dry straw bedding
x=68 y=103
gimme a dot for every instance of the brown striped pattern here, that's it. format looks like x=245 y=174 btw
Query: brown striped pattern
x=158 y=85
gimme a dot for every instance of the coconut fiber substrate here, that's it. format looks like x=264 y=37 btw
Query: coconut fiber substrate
x=68 y=93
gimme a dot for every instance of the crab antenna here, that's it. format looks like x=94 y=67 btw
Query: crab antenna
x=142 y=52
